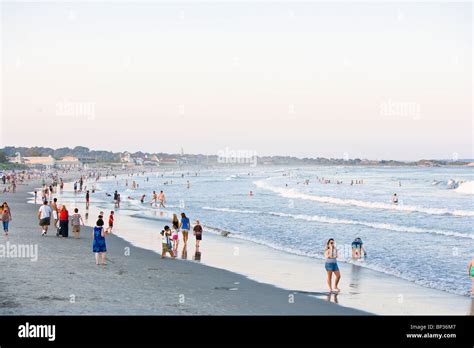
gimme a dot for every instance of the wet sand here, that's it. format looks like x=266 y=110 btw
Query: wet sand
x=65 y=280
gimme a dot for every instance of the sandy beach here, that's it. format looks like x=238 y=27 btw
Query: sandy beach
x=65 y=280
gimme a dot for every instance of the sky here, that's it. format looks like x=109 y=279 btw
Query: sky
x=389 y=80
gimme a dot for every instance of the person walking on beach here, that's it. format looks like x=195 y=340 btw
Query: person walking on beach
x=166 y=246
x=63 y=222
x=161 y=198
x=331 y=266
x=55 y=208
x=44 y=217
x=6 y=217
x=470 y=271
x=111 y=222
x=116 y=198
x=175 y=232
x=185 y=227
x=197 y=231
x=76 y=221
x=98 y=245
x=87 y=199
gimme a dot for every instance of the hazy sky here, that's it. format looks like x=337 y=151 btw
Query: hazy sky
x=369 y=80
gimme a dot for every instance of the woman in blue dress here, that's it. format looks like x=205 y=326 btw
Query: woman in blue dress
x=98 y=246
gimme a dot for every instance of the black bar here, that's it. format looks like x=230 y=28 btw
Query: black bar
x=224 y=330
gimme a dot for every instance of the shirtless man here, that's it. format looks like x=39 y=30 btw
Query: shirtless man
x=161 y=198
x=55 y=208
x=153 y=200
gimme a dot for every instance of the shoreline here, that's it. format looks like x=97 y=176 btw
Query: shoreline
x=365 y=289
x=66 y=281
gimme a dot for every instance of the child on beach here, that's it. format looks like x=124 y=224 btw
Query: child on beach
x=197 y=231
x=6 y=217
x=111 y=222
x=175 y=233
x=331 y=266
x=98 y=245
x=76 y=221
x=166 y=243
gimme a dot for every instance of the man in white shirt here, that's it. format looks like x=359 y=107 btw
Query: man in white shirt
x=44 y=216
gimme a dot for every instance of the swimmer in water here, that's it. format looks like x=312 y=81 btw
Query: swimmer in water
x=251 y=194
x=142 y=199
x=394 y=199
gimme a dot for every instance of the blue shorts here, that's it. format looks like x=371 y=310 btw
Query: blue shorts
x=331 y=267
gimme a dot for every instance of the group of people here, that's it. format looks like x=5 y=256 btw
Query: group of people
x=170 y=236
x=61 y=219
x=331 y=254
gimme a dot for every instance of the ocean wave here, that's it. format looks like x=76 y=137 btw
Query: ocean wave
x=376 y=225
x=230 y=210
x=330 y=220
x=293 y=194
x=466 y=187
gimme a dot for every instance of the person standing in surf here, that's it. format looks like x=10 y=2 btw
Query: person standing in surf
x=394 y=199
x=153 y=200
x=470 y=271
x=161 y=198
x=331 y=266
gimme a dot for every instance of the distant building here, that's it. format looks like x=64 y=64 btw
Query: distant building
x=126 y=157
x=68 y=162
x=168 y=161
x=34 y=162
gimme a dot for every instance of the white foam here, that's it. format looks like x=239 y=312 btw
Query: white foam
x=229 y=210
x=293 y=194
x=376 y=225
x=466 y=187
